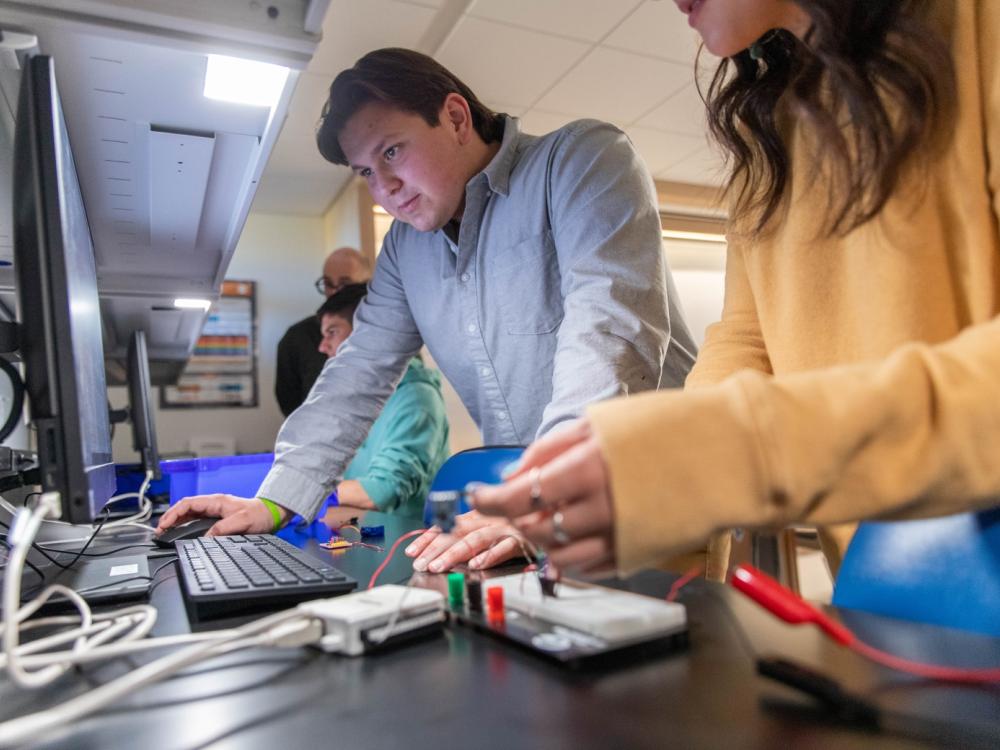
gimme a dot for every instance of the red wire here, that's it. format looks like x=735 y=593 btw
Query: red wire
x=930 y=671
x=392 y=551
x=683 y=581
x=790 y=607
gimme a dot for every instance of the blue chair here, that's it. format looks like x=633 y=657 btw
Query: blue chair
x=943 y=571
x=484 y=464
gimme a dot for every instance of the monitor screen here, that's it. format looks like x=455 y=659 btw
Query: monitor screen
x=140 y=405
x=58 y=305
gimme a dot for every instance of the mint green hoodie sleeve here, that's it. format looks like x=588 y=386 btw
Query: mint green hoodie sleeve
x=406 y=446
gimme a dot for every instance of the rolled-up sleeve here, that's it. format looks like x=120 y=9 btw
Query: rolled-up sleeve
x=316 y=443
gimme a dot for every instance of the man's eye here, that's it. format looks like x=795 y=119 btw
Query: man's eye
x=390 y=153
x=366 y=172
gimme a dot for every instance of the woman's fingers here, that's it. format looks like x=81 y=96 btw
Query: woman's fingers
x=577 y=520
x=577 y=472
x=546 y=448
x=591 y=556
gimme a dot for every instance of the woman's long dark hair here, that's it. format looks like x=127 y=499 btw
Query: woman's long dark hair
x=873 y=80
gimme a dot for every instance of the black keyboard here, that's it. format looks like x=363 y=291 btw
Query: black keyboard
x=234 y=575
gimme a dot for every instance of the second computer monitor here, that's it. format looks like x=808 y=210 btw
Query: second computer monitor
x=140 y=405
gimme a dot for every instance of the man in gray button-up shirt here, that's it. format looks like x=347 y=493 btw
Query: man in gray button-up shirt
x=531 y=267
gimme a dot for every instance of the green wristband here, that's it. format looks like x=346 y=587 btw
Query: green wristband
x=275 y=511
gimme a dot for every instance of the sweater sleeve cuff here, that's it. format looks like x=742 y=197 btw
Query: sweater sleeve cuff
x=293 y=491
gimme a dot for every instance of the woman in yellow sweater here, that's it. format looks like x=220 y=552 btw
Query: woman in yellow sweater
x=855 y=372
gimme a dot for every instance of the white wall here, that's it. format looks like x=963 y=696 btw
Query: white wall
x=284 y=255
x=699 y=274
x=341 y=226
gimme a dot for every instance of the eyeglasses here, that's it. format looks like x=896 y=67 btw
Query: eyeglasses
x=324 y=286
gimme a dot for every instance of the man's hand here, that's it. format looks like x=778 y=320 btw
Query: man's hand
x=481 y=541
x=237 y=515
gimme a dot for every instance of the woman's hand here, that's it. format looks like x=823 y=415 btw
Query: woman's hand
x=481 y=541
x=560 y=499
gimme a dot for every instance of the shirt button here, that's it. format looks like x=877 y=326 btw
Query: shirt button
x=484 y=371
x=471 y=328
x=502 y=416
x=466 y=277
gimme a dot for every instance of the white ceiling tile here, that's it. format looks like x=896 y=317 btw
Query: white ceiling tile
x=506 y=64
x=614 y=86
x=703 y=167
x=588 y=20
x=684 y=112
x=353 y=27
x=659 y=150
x=659 y=29
x=538 y=122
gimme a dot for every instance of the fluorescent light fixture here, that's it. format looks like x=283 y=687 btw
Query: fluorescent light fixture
x=673 y=234
x=190 y=303
x=231 y=79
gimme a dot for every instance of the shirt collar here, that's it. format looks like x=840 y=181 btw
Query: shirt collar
x=498 y=171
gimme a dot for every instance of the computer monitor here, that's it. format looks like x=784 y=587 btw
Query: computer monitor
x=58 y=306
x=140 y=405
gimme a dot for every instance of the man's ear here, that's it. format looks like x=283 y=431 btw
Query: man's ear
x=455 y=116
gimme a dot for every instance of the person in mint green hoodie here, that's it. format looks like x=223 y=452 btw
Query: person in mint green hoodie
x=393 y=469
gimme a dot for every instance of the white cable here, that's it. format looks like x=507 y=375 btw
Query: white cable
x=121 y=649
x=126 y=625
x=277 y=631
x=145 y=511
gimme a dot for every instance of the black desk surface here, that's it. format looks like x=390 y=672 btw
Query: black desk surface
x=468 y=689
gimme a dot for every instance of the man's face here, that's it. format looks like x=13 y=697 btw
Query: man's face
x=341 y=270
x=335 y=330
x=415 y=171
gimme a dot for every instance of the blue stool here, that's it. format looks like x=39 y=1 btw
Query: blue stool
x=484 y=464
x=943 y=571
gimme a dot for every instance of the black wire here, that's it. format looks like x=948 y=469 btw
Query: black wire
x=116 y=550
x=40 y=550
x=18 y=399
x=162 y=580
x=86 y=544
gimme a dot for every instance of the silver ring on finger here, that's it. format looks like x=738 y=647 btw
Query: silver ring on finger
x=535 y=477
x=559 y=534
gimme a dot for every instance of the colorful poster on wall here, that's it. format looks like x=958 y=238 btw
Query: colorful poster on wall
x=222 y=370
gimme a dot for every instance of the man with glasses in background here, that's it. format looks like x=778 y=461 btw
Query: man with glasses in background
x=299 y=360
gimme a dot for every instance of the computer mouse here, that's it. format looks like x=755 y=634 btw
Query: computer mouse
x=190 y=530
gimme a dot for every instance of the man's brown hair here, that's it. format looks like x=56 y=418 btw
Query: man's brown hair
x=405 y=80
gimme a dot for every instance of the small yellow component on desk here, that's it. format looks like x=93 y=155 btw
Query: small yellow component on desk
x=337 y=543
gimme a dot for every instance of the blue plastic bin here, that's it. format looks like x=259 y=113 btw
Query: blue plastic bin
x=232 y=475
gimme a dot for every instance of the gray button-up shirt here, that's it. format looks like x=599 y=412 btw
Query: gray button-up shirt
x=555 y=295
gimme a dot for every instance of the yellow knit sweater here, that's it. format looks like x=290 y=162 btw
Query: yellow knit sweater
x=849 y=378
